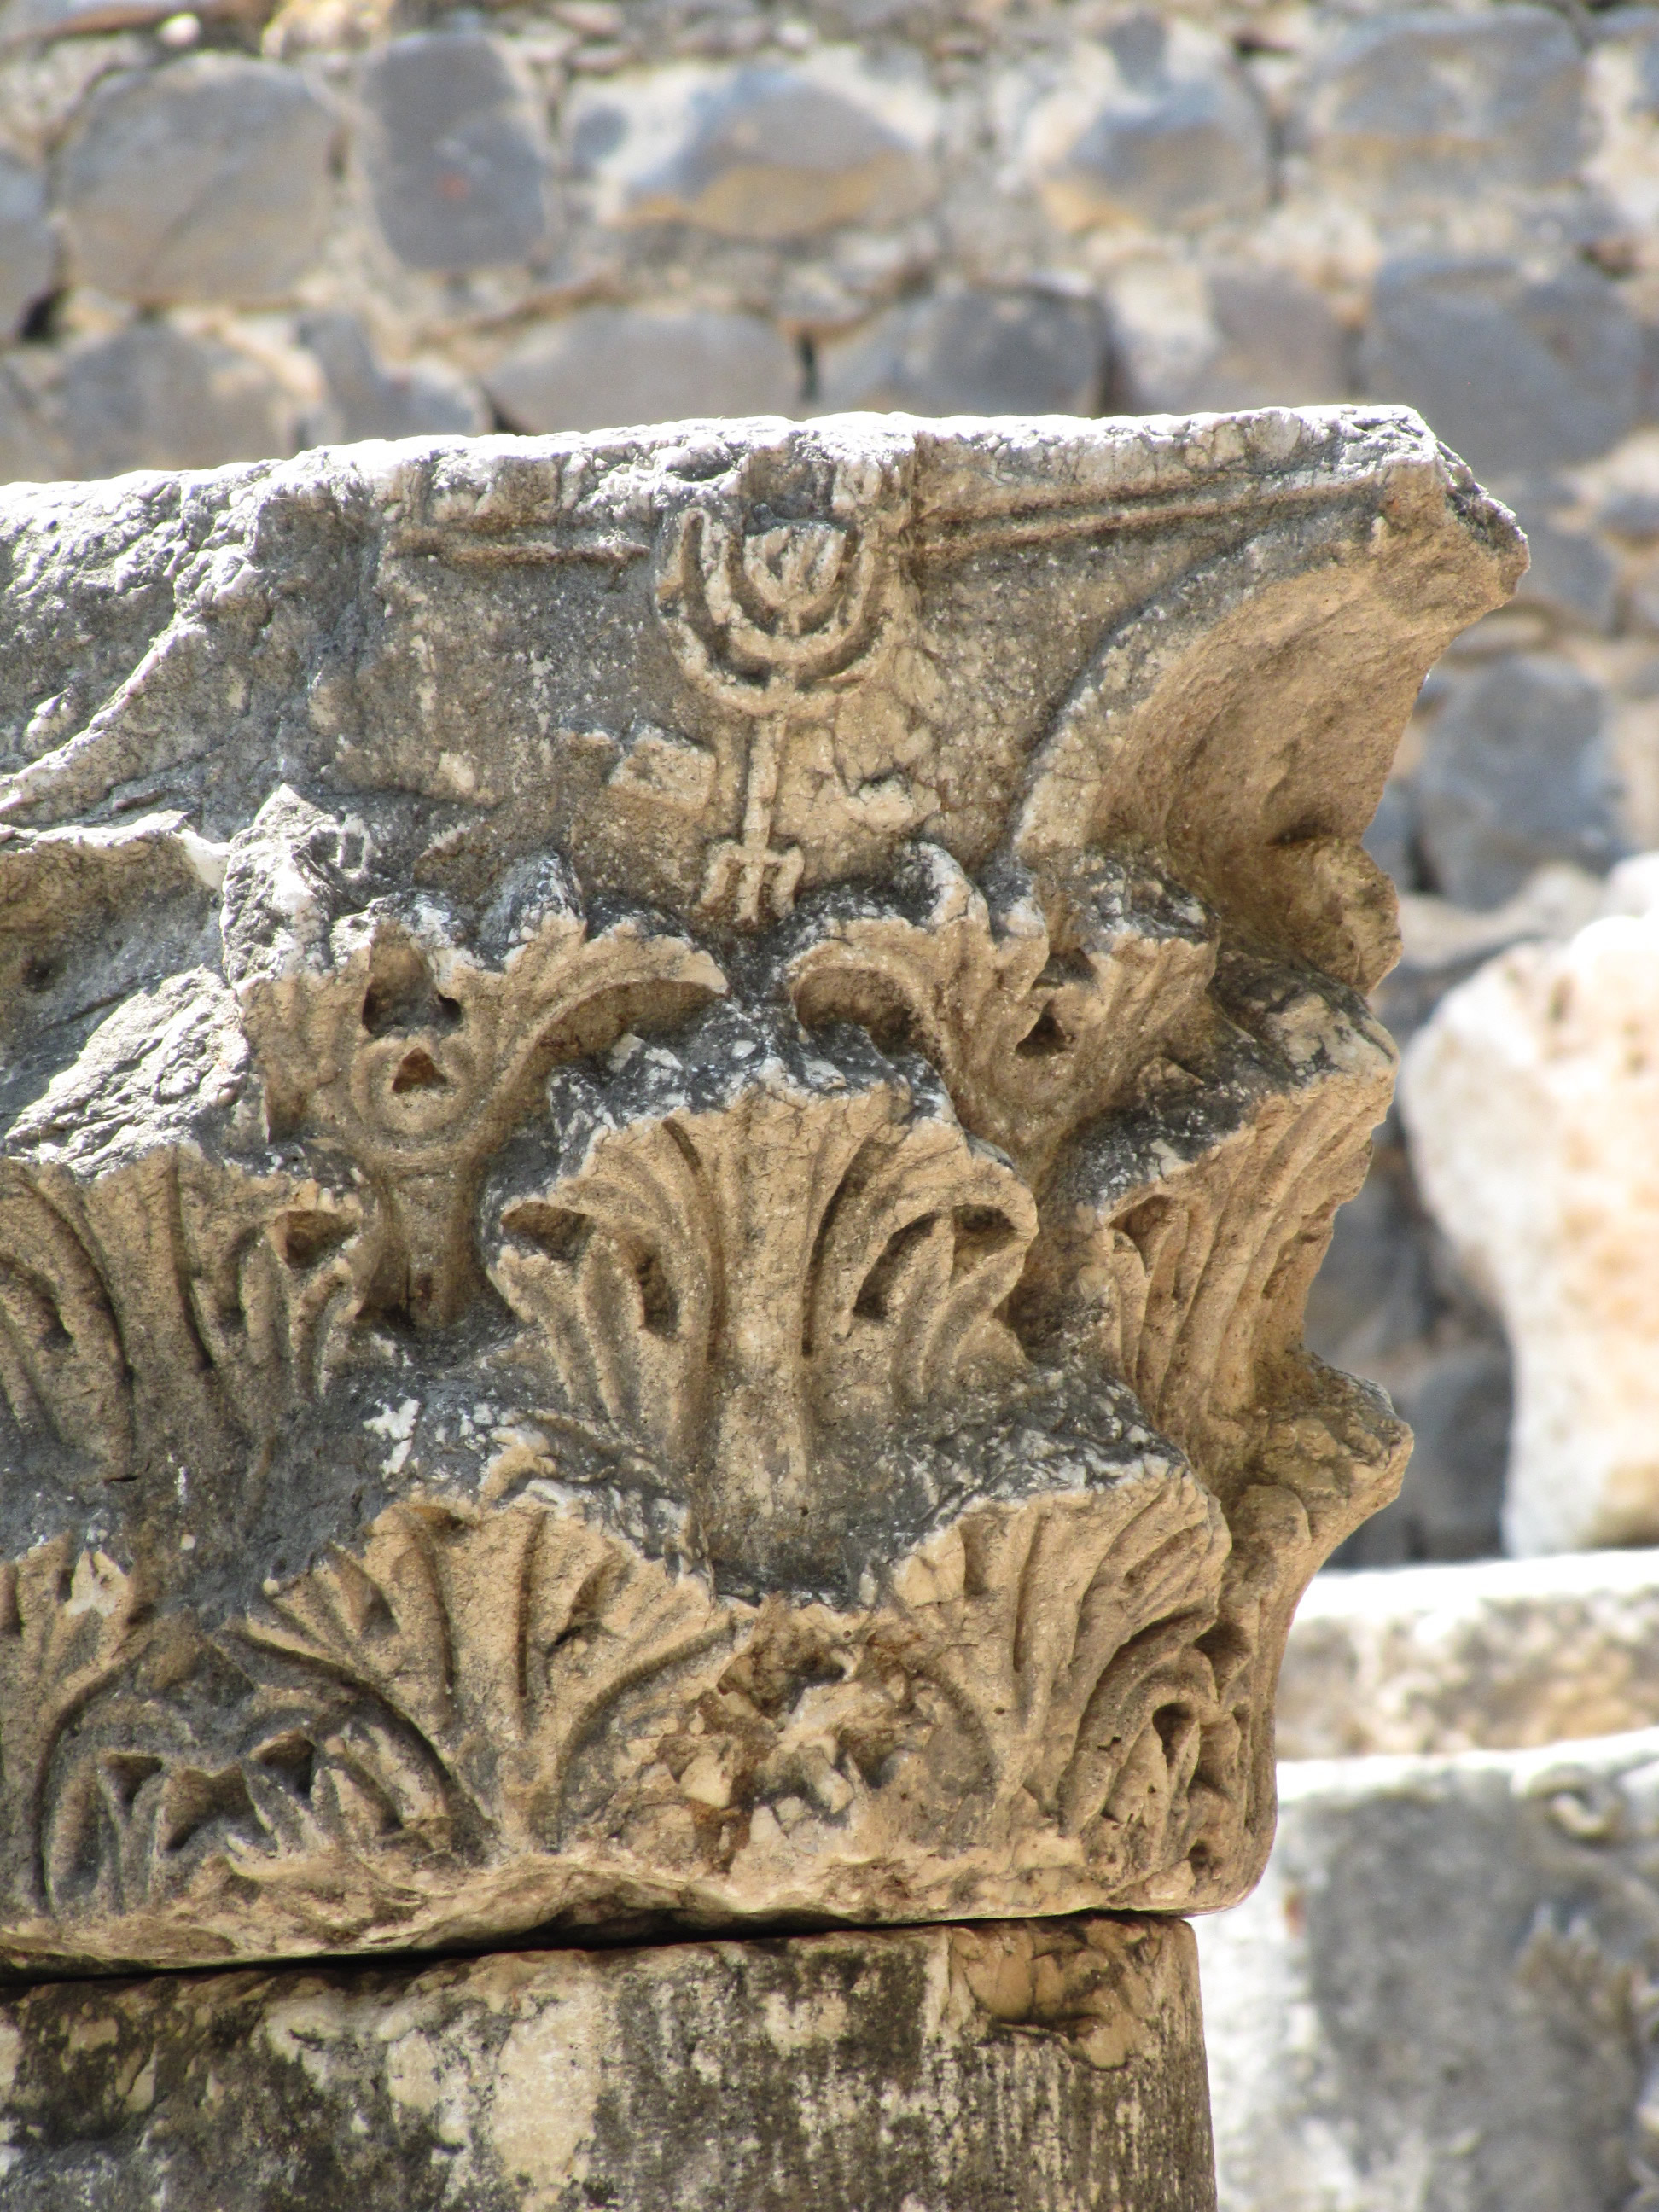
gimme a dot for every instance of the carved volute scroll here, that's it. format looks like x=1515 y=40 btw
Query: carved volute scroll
x=653 y=1232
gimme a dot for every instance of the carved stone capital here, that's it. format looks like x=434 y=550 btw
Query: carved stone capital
x=668 y=1100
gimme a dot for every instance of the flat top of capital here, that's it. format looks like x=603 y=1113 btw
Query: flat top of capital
x=719 y=664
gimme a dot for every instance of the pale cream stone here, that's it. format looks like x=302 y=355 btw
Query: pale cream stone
x=1531 y=1100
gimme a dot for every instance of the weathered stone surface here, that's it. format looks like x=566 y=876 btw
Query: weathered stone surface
x=1153 y=126
x=210 y=179
x=1432 y=103
x=1525 y=375
x=973 y=353
x=152 y=397
x=456 y=152
x=1440 y=1995
x=1515 y=772
x=762 y=152
x=28 y=252
x=369 y=400
x=638 y=364
x=1497 y=1655
x=1185 y=338
x=1057 y=2066
x=1530 y=1098
x=670 y=1099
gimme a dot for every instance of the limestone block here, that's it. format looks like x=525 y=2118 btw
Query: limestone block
x=1059 y=2066
x=1516 y=773
x=1530 y=1097
x=1154 y=126
x=28 y=252
x=670 y=1098
x=762 y=151
x=1440 y=1997
x=1186 y=337
x=455 y=151
x=209 y=179
x=1528 y=375
x=368 y=400
x=645 y=365
x=154 y=397
x=1424 y=103
x=1494 y=1654
x=973 y=353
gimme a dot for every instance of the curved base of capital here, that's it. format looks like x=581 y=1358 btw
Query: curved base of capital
x=1057 y=2066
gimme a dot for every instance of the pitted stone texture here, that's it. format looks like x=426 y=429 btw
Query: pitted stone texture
x=1529 y=1098
x=972 y=353
x=1414 y=106
x=1438 y=1996
x=1525 y=375
x=28 y=251
x=637 y=365
x=1155 y=125
x=1497 y=1655
x=153 y=396
x=211 y=179
x=762 y=152
x=670 y=1098
x=1516 y=773
x=1184 y=337
x=781 y=2077
x=456 y=154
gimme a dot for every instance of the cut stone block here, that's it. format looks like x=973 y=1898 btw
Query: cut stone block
x=1525 y=375
x=209 y=179
x=644 y=365
x=670 y=1098
x=1516 y=773
x=1530 y=1099
x=1184 y=337
x=1440 y=1997
x=1430 y=103
x=1156 y=125
x=973 y=353
x=1497 y=1655
x=1059 y=2067
x=456 y=152
x=764 y=152
x=152 y=397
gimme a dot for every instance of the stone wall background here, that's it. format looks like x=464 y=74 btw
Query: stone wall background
x=233 y=234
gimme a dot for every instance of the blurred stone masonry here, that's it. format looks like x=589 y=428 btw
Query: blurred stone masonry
x=231 y=233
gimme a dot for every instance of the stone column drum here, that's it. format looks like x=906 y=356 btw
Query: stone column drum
x=668 y=1099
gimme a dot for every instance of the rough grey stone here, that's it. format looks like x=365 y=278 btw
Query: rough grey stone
x=210 y=179
x=1439 y=1995
x=973 y=353
x=28 y=251
x=1180 y=139
x=607 y=1048
x=456 y=153
x=642 y=365
x=1524 y=376
x=766 y=153
x=1059 y=2067
x=1221 y=338
x=152 y=397
x=1500 y=1655
x=1432 y=103
x=1516 y=772
x=1571 y=571
x=370 y=401
x=31 y=452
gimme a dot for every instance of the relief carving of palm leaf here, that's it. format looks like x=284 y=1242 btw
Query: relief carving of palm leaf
x=924 y=1240
x=69 y=1625
x=500 y=1642
x=1058 y=1631
x=1036 y=1020
x=619 y=1267
x=63 y=1366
